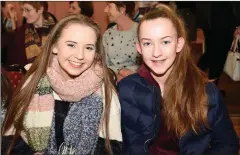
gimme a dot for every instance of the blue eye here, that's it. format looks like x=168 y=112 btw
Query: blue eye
x=71 y=45
x=90 y=48
x=146 y=44
x=166 y=42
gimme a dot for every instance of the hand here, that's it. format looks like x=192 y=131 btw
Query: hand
x=12 y=12
x=237 y=31
x=125 y=72
x=119 y=77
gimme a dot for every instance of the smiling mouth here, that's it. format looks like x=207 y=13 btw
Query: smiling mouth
x=159 y=60
x=75 y=64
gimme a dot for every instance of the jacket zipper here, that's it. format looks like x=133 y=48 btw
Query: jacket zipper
x=180 y=150
x=145 y=150
x=155 y=115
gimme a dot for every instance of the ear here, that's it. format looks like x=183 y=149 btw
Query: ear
x=138 y=48
x=41 y=9
x=180 y=44
x=122 y=10
x=55 y=50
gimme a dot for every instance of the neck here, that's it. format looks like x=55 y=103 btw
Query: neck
x=161 y=79
x=124 y=23
x=39 y=22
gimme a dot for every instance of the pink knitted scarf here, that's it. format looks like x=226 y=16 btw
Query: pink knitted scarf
x=74 y=90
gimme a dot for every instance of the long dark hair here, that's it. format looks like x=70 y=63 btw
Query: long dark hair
x=23 y=95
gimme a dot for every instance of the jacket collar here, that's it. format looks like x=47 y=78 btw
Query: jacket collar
x=144 y=72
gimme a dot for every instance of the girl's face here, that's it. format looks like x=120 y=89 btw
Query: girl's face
x=31 y=14
x=159 y=45
x=74 y=8
x=75 y=49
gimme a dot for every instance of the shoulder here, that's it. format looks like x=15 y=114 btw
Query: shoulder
x=21 y=28
x=133 y=84
x=216 y=107
x=109 y=31
x=132 y=80
x=20 y=31
x=135 y=26
x=213 y=94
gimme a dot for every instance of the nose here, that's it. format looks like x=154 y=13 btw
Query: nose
x=80 y=54
x=106 y=9
x=24 y=14
x=157 y=51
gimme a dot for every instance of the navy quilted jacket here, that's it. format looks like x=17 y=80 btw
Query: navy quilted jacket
x=140 y=121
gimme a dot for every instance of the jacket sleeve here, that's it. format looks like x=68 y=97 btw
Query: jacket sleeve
x=133 y=138
x=224 y=139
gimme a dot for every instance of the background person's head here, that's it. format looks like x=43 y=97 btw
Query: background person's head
x=81 y=7
x=116 y=9
x=34 y=11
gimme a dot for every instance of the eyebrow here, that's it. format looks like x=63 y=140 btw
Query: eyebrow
x=26 y=8
x=160 y=39
x=91 y=45
x=76 y=43
x=71 y=42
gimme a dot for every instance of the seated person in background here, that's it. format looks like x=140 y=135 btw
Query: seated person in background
x=170 y=107
x=30 y=37
x=119 y=41
x=9 y=17
x=136 y=16
x=81 y=7
x=66 y=104
x=45 y=6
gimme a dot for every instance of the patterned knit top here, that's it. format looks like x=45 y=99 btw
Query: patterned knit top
x=120 y=48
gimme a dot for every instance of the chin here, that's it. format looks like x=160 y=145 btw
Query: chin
x=29 y=22
x=74 y=75
x=158 y=72
x=111 y=20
